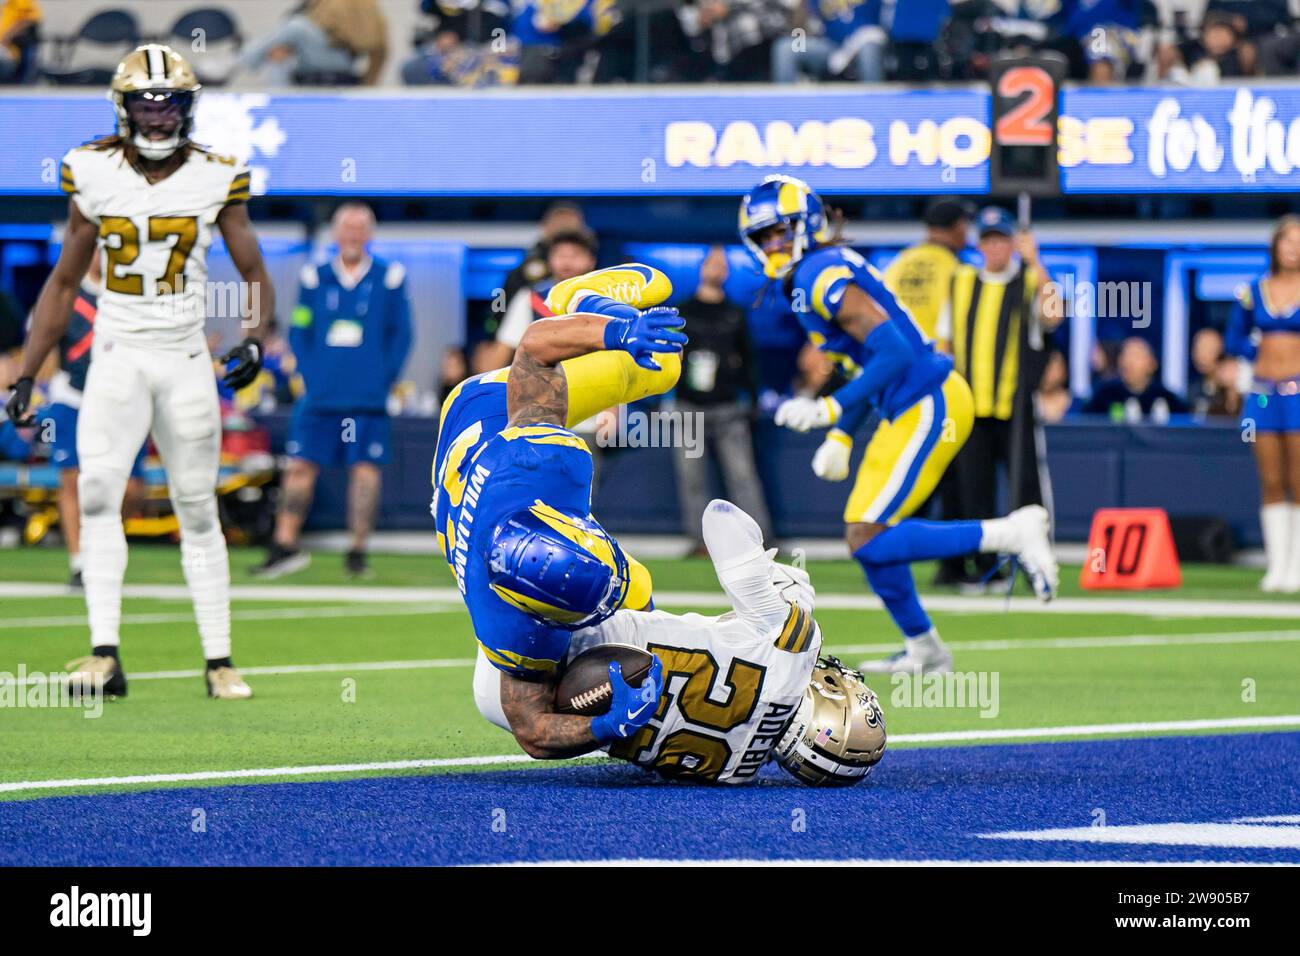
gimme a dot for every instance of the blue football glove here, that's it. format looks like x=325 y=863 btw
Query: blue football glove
x=632 y=707
x=653 y=331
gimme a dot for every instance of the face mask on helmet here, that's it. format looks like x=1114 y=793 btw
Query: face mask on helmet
x=561 y=569
x=777 y=247
x=837 y=735
x=158 y=121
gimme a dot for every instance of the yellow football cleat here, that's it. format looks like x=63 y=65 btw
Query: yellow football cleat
x=633 y=284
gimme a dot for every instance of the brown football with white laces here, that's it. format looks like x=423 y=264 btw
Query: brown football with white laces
x=584 y=688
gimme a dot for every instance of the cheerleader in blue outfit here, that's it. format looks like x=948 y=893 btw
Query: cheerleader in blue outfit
x=1265 y=330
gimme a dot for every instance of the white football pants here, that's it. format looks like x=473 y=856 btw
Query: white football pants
x=131 y=391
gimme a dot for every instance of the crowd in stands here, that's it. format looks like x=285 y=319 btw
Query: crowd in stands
x=477 y=43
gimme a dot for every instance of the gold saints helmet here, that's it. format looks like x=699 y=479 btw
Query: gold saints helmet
x=838 y=733
x=152 y=78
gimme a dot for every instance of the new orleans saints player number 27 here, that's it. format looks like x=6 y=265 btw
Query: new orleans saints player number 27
x=147 y=200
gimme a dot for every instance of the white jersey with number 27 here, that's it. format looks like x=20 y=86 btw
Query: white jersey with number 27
x=153 y=237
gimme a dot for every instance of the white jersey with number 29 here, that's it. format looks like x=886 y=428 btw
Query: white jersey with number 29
x=731 y=684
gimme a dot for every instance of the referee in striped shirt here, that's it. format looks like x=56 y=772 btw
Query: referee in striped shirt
x=994 y=324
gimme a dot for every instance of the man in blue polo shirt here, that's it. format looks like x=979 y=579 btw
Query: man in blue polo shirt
x=350 y=334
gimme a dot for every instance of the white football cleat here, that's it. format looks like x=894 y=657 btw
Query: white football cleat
x=224 y=683
x=1030 y=527
x=920 y=655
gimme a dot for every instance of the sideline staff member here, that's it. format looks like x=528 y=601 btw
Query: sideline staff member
x=994 y=325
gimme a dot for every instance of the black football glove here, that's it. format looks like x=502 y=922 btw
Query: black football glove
x=247 y=356
x=20 y=402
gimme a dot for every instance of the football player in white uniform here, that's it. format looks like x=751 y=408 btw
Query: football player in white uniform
x=743 y=687
x=146 y=200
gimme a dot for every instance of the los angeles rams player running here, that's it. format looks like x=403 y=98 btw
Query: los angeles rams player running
x=926 y=411
x=146 y=200
x=512 y=500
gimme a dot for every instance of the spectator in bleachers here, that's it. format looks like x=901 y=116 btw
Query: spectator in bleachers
x=914 y=31
x=557 y=34
x=321 y=43
x=1220 y=51
x=1279 y=49
x=351 y=334
x=450 y=56
x=19 y=22
x=1213 y=392
x=718 y=385
x=1054 y=398
x=568 y=254
x=1104 y=35
x=829 y=36
x=1137 y=394
x=559 y=217
x=734 y=36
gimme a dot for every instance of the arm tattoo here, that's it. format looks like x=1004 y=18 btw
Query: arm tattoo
x=536 y=394
x=529 y=707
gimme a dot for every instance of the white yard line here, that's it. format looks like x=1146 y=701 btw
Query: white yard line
x=258 y=614
x=1013 y=644
x=1075 y=643
x=1169 y=607
x=1090 y=730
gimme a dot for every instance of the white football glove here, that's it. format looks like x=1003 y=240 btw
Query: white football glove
x=803 y=414
x=831 y=460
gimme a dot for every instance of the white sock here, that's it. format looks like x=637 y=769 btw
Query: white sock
x=925 y=645
x=999 y=536
x=74 y=562
x=103 y=553
x=1275 y=520
x=1292 y=550
x=207 y=572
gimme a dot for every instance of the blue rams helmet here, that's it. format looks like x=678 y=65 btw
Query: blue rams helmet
x=783 y=201
x=559 y=567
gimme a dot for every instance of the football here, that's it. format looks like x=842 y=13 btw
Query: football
x=584 y=689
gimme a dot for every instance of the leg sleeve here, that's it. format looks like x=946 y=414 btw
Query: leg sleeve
x=602 y=380
x=744 y=569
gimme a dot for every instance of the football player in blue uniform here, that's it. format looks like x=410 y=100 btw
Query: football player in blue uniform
x=925 y=407
x=512 y=502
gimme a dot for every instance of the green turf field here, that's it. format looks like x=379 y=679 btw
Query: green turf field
x=389 y=677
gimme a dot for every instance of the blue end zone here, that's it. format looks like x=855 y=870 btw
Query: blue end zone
x=921 y=804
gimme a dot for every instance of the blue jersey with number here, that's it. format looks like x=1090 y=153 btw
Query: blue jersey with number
x=483 y=472
x=817 y=290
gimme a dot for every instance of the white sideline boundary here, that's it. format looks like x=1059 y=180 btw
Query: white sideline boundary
x=1012 y=644
x=1170 y=607
x=1028 y=733
x=864 y=861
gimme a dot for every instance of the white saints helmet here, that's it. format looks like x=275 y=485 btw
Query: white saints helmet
x=154 y=92
x=838 y=733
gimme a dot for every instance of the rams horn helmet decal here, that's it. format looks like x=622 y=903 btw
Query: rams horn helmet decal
x=558 y=567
